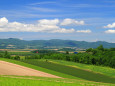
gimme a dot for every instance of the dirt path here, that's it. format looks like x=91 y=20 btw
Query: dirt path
x=7 y=68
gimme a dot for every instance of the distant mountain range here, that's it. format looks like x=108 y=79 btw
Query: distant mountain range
x=13 y=43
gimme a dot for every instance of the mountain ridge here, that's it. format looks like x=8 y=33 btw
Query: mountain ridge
x=53 y=43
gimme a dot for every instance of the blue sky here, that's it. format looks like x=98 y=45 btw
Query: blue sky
x=83 y=20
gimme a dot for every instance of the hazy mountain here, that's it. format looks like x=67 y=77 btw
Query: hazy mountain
x=54 y=43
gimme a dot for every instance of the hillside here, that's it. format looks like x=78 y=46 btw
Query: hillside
x=13 y=43
x=77 y=73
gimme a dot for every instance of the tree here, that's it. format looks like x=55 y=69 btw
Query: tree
x=112 y=49
x=6 y=55
x=6 y=52
x=67 y=58
x=100 y=48
x=89 y=50
x=93 y=61
x=67 y=52
x=94 y=52
x=17 y=57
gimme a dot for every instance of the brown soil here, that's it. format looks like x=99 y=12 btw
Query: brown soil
x=7 y=68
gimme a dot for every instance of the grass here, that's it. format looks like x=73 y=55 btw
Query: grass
x=21 y=53
x=40 y=68
x=42 y=81
x=76 y=72
x=63 y=71
x=93 y=68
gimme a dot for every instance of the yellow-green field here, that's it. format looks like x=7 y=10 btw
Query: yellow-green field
x=42 y=81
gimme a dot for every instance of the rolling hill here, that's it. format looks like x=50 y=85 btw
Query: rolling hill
x=14 y=43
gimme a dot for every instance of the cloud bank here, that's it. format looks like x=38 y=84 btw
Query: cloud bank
x=110 y=26
x=84 y=31
x=69 y=21
x=43 y=25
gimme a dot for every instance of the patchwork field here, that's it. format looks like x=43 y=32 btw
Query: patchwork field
x=72 y=75
x=7 y=68
x=76 y=72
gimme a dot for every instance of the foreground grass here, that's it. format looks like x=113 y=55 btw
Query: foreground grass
x=41 y=81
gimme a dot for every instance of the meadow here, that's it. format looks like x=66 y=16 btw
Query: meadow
x=76 y=72
x=59 y=64
x=63 y=70
x=93 y=68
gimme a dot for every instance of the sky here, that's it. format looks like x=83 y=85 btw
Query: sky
x=81 y=20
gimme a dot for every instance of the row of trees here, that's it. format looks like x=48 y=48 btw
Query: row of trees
x=8 y=56
x=98 y=56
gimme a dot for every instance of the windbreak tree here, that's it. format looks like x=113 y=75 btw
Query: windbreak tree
x=100 y=48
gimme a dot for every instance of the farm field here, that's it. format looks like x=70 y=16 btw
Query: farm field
x=93 y=68
x=76 y=72
x=7 y=68
x=40 y=68
x=64 y=71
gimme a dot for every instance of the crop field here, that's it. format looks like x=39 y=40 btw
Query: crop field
x=20 y=52
x=93 y=68
x=71 y=76
x=42 y=81
x=76 y=72
x=40 y=68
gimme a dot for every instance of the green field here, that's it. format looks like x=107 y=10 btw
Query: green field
x=21 y=53
x=40 y=68
x=77 y=74
x=42 y=81
x=93 y=68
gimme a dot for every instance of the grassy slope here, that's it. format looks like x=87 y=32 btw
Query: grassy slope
x=40 y=68
x=99 y=69
x=87 y=75
x=42 y=81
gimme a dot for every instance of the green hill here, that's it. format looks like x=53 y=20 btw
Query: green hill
x=13 y=43
x=61 y=69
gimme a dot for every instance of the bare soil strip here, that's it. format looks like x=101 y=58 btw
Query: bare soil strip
x=7 y=68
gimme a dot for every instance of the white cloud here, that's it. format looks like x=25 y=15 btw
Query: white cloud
x=42 y=9
x=69 y=21
x=48 y=22
x=43 y=25
x=110 y=25
x=41 y=3
x=63 y=30
x=110 y=31
x=83 y=31
x=3 y=21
